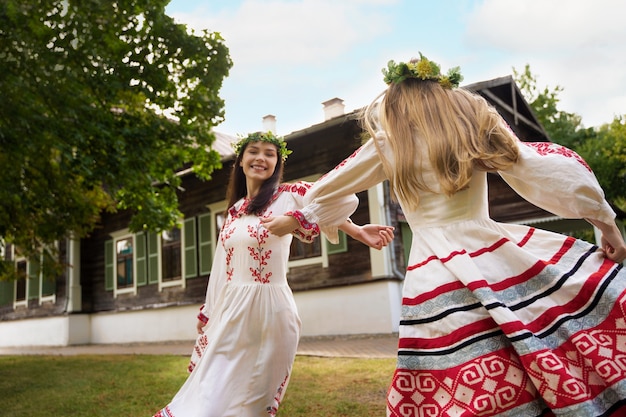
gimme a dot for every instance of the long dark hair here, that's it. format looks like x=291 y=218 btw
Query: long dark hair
x=237 y=189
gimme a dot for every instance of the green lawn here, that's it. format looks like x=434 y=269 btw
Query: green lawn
x=138 y=385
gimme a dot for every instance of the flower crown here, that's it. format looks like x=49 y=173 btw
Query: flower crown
x=263 y=137
x=422 y=69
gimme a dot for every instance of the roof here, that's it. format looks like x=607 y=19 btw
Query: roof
x=223 y=144
x=504 y=94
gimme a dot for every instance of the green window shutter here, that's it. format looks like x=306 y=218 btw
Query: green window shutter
x=48 y=286
x=153 y=257
x=205 y=246
x=34 y=269
x=190 y=251
x=340 y=247
x=7 y=289
x=407 y=238
x=109 y=268
x=141 y=259
x=48 y=274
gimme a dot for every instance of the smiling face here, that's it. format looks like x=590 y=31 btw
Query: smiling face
x=258 y=162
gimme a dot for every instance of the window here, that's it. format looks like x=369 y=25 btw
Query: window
x=302 y=250
x=120 y=263
x=339 y=247
x=21 y=283
x=175 y=253
x=171 y=267
x=167 y=258
x=124 y=263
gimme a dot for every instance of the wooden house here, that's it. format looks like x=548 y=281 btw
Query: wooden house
x=123 y=287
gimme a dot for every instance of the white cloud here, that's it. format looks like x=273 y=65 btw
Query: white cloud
x=286 y=54
x=291 y=33
x=578 y=45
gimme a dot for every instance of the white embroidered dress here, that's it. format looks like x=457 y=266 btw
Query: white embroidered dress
x=241 y=365
x=502 y=319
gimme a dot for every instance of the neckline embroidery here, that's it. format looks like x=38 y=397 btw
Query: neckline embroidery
x=239 y=208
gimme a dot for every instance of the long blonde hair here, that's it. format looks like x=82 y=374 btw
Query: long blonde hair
x=458 y=131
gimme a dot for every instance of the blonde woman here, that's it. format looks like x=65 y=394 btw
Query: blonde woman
x=497 y=319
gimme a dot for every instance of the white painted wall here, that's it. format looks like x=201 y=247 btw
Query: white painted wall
x=355 y=309
x=369 y=308
x=50 y=331
x=154 y=325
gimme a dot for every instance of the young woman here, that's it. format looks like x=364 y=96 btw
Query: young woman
x=249 y=326
x=497 y=319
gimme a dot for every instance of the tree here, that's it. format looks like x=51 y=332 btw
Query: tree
x=606 y=155
x=102 y=102
x=562 y=127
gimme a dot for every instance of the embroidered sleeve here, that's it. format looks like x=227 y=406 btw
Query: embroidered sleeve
x=201 y=316
x=558 y=180
x=332 y=199
x=547 y=148
x=307 y=231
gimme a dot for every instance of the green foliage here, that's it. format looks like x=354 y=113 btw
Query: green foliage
x=606 y=155
x=423 y=69
x=101 y=103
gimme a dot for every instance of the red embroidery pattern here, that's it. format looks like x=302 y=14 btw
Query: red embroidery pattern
x=579 y=371
x=299 y=188
x=485 y=386
x=224 y=236
x=238 y=212
x=308 y=231
x=259 y=253
x=198 y=350
x=277 y=398
x=583 y=367
x=204 y=319
x=545 y=148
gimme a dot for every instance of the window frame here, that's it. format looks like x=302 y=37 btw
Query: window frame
x=117 y=236
x=181 y=281
x=20 y=303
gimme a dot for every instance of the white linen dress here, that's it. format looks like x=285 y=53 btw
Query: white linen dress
x=502 y=319
x=240 y=366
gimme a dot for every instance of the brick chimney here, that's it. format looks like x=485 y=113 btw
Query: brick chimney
x=269 y=123
x=333 y=108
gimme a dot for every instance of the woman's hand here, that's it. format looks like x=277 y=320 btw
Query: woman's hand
x=612 y=242
x=280 y=225
x=200 y=326
x=613 y=246
x=373 y=235
x=376 y=236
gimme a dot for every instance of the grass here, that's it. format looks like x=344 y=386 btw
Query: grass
x=138 y=385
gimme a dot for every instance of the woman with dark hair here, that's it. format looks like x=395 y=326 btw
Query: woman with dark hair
x=497 y=319
x=249 y=326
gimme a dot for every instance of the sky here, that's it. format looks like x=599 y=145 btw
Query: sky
x=290 y=56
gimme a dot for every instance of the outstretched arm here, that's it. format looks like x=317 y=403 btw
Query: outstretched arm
x=373 y=235
x=612 y=241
